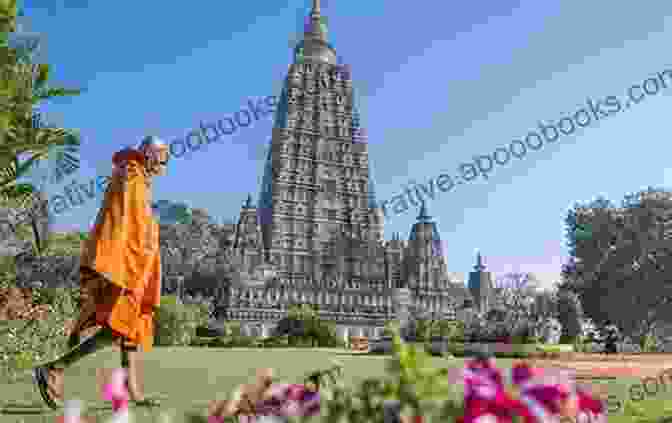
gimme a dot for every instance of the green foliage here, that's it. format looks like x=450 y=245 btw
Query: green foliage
x=649 y=343
x=170 y=213
x=423 y=329
x=451 y=330
x=570 y=314
x=627 y=245
x=302 y=312
x=23 y=87
x=7 y=271
x=307 y=329
x=176 y=323
x=23 y=343
x=420 y=389
x=391 y=328
x=64 y=244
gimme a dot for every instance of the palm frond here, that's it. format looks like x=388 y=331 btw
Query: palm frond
x=29 y=206
x=38 y=144
x=20 y=198
x=49 y=93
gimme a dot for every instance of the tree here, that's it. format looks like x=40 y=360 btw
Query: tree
x=570 y=315
x=23 y=143
x=625 y=263
x=298 y=325
x=515 y=293
x=304 y=324
x=545 y=304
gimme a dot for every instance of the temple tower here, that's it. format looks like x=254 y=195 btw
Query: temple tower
x=481 y=285
x=316 y=188
x=424 y=263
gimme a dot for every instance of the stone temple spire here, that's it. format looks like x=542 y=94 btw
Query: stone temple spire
x=315 y=47
x=316 y=31
x=480 y=285
x=479 y=267
x=423 y=216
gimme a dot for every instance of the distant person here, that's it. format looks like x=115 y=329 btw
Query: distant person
x=611 y=337
x=120 y=274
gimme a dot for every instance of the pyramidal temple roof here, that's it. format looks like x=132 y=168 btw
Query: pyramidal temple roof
x=425 y=219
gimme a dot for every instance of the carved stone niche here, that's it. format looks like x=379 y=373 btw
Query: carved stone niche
x=311 y=88
x=295 y=77
x=325 y=82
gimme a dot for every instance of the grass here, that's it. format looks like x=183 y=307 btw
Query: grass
x=191 y=377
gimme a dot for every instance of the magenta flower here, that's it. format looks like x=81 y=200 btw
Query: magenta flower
x=538 y=396
x=116 y=391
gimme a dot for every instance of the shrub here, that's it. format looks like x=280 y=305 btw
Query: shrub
x=548 y=331
x=242 y=341
x=451 y=330
x=176 y=323
x=410 y=384
x=650 y=343
x=34 y=333
x=569 y=314
x=525 y=332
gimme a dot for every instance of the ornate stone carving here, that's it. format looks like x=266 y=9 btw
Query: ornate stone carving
x=320 y=168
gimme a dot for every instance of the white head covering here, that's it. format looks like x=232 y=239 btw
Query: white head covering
x=152 y=147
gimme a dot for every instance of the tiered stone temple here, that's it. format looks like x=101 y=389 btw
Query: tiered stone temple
x=318 y=223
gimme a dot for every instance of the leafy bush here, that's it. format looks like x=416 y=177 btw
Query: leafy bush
x=411 y=385
x=242 y=341
x=449 y=330
x=502 y=329
x=176 y=322
x=525 y=332
x=39 y=334
x=202 y=341
x=457 y=349
x=651 y=343
x=220 y=342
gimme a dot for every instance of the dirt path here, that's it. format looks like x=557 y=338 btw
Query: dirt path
x=648 y=365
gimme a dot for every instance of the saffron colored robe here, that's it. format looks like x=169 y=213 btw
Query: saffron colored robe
x=123 y=248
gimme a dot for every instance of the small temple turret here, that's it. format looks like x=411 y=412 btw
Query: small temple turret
x=481 y=285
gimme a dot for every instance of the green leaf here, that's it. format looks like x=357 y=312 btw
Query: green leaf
x=42 y=76
x=48 y=93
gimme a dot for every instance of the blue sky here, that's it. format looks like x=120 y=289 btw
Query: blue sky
x=438 y=83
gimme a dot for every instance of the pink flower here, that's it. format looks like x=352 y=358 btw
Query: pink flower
x=550 y=395
x=116 y=390
x=485 y=398
x=539 y=396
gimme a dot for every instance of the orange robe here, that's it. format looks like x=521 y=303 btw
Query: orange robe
x=123 y=248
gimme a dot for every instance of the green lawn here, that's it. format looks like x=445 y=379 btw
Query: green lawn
x=190 y=377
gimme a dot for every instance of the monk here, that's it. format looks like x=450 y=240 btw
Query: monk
x=120 y=274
